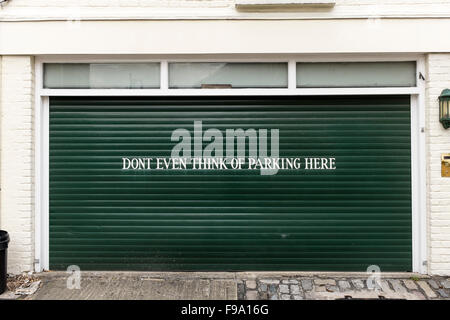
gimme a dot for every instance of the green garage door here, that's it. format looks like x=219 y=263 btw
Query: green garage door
x=111 y=208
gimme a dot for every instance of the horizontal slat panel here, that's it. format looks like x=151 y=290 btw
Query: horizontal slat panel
x=342 y=220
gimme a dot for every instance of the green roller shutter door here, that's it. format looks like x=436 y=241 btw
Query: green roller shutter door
x=104 y=217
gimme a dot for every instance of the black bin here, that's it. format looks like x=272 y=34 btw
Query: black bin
x=4 y=240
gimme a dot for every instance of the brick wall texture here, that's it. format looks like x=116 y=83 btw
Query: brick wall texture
x=365 y=7
x=17 y=159
x=438 y=142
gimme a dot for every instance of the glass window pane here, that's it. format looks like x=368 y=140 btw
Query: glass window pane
x=102 y=75
x=226 y=75
x=73 y=75
x=356 y=74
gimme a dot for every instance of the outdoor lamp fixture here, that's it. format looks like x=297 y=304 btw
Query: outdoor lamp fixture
x=444 y=108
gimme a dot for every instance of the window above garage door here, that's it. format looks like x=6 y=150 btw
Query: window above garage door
x=280 y=77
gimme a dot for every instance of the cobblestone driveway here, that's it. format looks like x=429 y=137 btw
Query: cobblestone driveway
x=306 y=288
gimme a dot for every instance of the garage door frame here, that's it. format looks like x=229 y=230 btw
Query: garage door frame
x=418 y=147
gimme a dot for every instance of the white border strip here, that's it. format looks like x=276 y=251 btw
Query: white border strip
x=38 y=171
x=419 y=174
x=220 y=14
x=229 y=92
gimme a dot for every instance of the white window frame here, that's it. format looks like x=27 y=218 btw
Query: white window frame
x=418 y=150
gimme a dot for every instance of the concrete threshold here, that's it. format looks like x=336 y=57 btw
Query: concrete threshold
x=235 y=275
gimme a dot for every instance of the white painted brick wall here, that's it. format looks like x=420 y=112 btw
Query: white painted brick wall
x=120 y=8
x=438 y=142
x=163 y=3
x=119 y=3
x=17 y=159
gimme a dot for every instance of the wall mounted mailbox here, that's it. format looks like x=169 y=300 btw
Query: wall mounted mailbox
x=445 y=164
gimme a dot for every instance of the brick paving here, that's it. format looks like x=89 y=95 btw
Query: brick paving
x=324 y=288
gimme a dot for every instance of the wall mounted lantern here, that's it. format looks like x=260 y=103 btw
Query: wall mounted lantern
x=444 y=108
